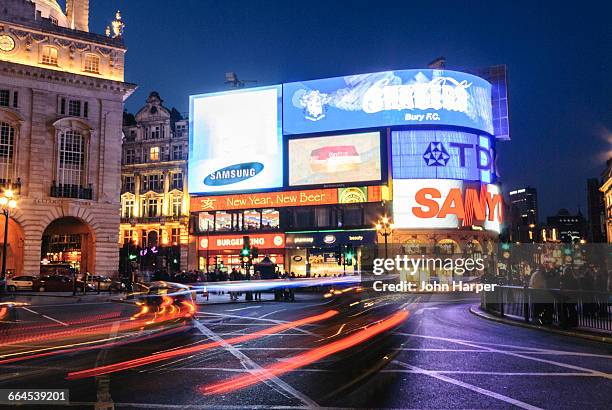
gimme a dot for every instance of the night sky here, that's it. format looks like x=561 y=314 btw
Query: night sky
x=558 y=60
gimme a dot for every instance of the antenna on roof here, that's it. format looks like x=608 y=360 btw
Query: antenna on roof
x=232 y=78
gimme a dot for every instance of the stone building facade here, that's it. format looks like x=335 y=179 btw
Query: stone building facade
x=62 y=91
x=154 y=199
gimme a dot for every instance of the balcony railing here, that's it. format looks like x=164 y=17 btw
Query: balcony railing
x=71 y=191
x=154 y=219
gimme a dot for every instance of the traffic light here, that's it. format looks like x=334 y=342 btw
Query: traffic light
x=505 y=246
x=246 y=246
x=348 y=255
x=132 y=256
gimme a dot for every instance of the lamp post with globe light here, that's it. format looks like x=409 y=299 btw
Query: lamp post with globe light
x=385 y=228
x=7 y=202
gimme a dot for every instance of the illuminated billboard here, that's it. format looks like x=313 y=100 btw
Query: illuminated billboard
x=235 y=141
x=446 y=204
x=389 y=98
x=442 y=154
x=335 y=159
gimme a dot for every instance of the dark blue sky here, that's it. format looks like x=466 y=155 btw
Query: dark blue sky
x=558 y=59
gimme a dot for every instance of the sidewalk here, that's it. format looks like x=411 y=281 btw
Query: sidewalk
x=605 y=337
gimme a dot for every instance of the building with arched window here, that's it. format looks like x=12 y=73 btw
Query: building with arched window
x=154 y=200
x=61 y=104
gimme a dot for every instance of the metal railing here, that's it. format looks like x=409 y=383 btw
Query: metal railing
x=71 y=191
x=554 y=307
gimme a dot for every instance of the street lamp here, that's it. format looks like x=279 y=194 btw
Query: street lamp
x=7 y=203
x=385 y=228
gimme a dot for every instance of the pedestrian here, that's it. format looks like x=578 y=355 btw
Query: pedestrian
x=257 y=276
x=539 y=295
x=569 y=302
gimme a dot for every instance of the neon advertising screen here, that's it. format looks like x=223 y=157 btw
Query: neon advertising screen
x=235 y=141
x=389 y=98
x=442 y=154
x=335 y=159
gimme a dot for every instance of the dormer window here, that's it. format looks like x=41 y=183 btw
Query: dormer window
x=49 y=55
x=53 y=20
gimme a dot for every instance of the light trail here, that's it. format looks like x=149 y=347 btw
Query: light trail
x=120 y=366
x=306 y=358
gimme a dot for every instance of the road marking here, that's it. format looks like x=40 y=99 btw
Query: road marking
x=254 y=367
x=421 y=310
x=45 y=316
x=278 y=322
x=522 y=356
x=468 y=386
x=244 y=308
x=549 y=374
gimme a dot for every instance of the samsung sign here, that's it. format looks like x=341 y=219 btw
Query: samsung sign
x=442 y=154
x=390 y=98
x=235 y=141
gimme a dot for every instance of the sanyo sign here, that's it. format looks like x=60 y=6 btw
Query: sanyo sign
x=438 y=203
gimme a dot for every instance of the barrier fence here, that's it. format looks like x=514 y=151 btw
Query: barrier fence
x=563 y=308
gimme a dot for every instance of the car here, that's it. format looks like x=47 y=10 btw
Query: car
x=106 y=284
x=20 y=283
x=60 y=283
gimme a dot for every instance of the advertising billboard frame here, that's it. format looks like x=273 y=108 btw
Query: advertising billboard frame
x=384 y=134
x=279 y=108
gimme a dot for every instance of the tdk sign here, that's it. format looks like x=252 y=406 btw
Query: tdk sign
x=442 y=154
x=233 y=173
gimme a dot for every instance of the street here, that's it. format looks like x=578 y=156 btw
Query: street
x=441 y=356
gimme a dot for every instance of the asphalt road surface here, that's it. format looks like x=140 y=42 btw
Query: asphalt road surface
x=440 y=356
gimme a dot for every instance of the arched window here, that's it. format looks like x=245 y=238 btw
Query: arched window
x=7 y=145
x=71 y=158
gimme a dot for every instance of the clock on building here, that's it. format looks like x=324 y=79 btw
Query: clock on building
x=6 y=43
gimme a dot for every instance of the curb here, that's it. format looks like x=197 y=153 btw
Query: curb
x=588 y=336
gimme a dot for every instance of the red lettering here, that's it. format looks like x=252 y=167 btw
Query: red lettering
x=424 y=197
x=453 y=204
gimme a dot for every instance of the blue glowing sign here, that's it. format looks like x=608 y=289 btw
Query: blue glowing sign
x=436 y=154
x=390 y=98
x=235 y=141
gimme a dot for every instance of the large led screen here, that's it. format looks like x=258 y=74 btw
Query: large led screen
x=442 y=154
x=446 y=204
x=390 y=98
x=335 y=159
x=235 y=141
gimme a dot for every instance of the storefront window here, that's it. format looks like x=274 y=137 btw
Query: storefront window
x=206 y=222
x=223 y=221
x=270 y=219
x=252 y=219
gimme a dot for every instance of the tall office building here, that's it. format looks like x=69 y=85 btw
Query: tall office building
x=595 y=211
x=523 y=217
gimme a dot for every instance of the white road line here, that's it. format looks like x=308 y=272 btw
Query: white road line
x=468 y=386
x=244 y=308
x=253 y=367
x=522 y=356
x=45 y=316
x=551 y=374
x=278 y=322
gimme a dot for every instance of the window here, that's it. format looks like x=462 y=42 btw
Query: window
x=154 y=153
x=177 y=180
x=252 y=220
x=62 y=108
x=128 y=235
x=322 y=217
x=92 y=63
x=130 y=156
x=128 y=183
x=223 y=221
x=49 y=55
x=152 y=207
x=74 y=108
x=7 y=141
x=206 y=221
x=128 y=208
x=177 y=205
x=353 y=216
x=153 y=182
x=15 y=99
x=85 y=109
x=4 y=98
x=53 y=20
x=177 y=152
x=270 y=219
x=155 y=132
x=176 y=236
x=71 y=158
